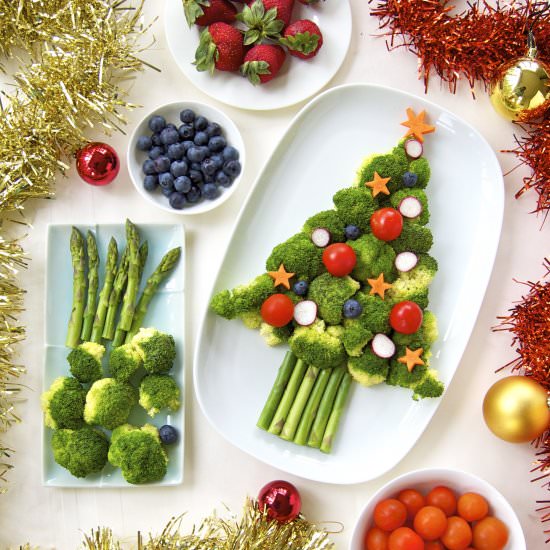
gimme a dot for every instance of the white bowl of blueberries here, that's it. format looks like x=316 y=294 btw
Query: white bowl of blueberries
x=186 y=157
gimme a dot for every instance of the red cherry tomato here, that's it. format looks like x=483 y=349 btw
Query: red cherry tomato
x=413 y=501
x=434 y=545
x=277 y=310
x=430 y=522
x=490 y=534
x=376 y=539
x=389 y=514
x=442 y=497
x=405 y=539
x=406 y=317
x=386 y=224
x=472 y=507
x=458 y=534
x=339 y=259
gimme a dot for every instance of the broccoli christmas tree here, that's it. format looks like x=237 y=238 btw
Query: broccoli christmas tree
x=348 y=294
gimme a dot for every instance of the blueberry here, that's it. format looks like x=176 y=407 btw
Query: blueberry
x=162 y=164
x=169 y=434
x=144 y=143
x=155 y=152
x=155 y=139
x=216 y=143
x=183 y=184
x=230 y=153
x=186 y=131
x=187 y=115
x=176 y=151
x=171 y=125
x=201 y=138
x=210 y=191
x=179 y=168
x=157 y=123
x=213 y=129
x=169 y=136
x=195 y=154
x=150 y=182
x=217 y=160
x=300 y=288
x=409 y=179
x=149 y=167
x=194 y=194
x=352 y=309
x=201 y=123
x=187 y=144
x=195 y=176
x=223 y=179
x=195 y=166
x=208 y=167
x=166 y=181
x=352 y=232
x=177 y=200
x=232 y=168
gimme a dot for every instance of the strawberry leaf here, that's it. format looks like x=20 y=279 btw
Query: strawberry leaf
x=303 y=42
x=193 y=9
x=260 y=24
x=207 y=53
x=253 y=69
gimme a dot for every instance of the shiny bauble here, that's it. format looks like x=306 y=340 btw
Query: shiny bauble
x=97 y=163
x=516 y=409
x=281 y=501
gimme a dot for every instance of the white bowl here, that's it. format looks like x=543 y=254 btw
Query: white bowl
x=459 y=481
x=171 y=112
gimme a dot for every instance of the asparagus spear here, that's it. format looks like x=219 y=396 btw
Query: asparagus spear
x=291 y=424
x=114 y=298
x=285 y=370
x=132 y=288
x=78 y=255
x=337 y=410
x=166 y=265
x=93 y=283
x=103 y=304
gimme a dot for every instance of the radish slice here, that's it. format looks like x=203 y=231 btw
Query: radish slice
x=305 y=312
x=320 y=237
x=383 y=346
x=405 y=261
x=410 y=207
x=414 y=148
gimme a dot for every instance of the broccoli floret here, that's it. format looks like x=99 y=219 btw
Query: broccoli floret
x=63 y=404
x=414 y=238
x=423 y=338
x=82 y=452
x=373 y=257
x=355 y=206
x=124 y=361
x=376 y=312
x=430 y=386
x=274 y=336
x=85 y=362
x=251 y=319
x=399 y=375
x=222 y=304
x=368 y=369
x=157 y=349
x=139 y=453
x=299 y=255
x=328 y=219
x=398 y=196
x=158 y=391
x=330 y=293
x=392 y=165
x=317 y=347
x=355 y=337
x=109 y=402
x=421 y=168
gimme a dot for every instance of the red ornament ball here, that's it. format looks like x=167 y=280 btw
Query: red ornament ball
x=281 y=500
x=97 y=163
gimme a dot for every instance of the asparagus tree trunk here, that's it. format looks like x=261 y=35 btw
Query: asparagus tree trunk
x=78 y=256
x=93 y=284
x=129 y=301
x=334 y=419
x=115 y=296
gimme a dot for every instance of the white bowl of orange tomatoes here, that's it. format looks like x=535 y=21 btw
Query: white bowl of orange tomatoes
x=437 y=509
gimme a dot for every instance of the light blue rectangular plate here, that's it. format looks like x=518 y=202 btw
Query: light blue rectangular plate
x=166 y=312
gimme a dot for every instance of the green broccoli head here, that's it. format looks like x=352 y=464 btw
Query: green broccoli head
x=63 y=404
x=157 y=349
x=124 y=361
x=85 y=362
x=368 y=369
x=317 y=347
x=375 y=316
x=373 y=257
x=82 y=452
x=328 y=219
x=414 y=238
x=421 y=167
x=429 y=387
x=398 y=196
x=399 y=374
x=251 y=319
x=138 y=453
x=355 y=206
x=330 y=293
x=299 y=255
x=355 y=337
x=392 y=165
x=109 y=402
x=158 y=391
x=423 y=338
x=275 y=336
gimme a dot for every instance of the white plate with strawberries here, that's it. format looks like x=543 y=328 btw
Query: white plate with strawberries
x=296 y=80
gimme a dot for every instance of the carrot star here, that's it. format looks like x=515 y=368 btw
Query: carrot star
x=379 y=286
x=412 y=358
x=281 y=276
x=416 y=125
x=378 y=185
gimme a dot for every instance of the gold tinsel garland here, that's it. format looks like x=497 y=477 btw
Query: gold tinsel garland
x=74 y=57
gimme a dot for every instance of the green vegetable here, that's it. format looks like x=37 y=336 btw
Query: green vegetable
x=421 y=168
x=158 y=391
x=109 y=402
x=327 y=219
x=63 y=404
x=275 y=336
x=423 y=337
x=139 y=453
x=85 y=361
x=373 y=257
x=355 y=337
x=157 y=349
x=398 y=196
x=124 y=362
x=330 y=293
x=82 y=452
x=93 y=283
x=340 y=403
x=392 y=165
x=376 y=313
x=355 y=206
x=368 y=369
x=414 y=238
x=78 y=256
x=299 y=255
x=429 y=387
x=132 y=287
x=119 y=284
x=399 y=375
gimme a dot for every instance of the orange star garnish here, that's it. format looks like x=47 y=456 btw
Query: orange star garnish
x=378 y=185
x=379 y=286
x=416 y=125
x=281 y=276
x=411 y=358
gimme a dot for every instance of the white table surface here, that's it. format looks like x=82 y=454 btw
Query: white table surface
x=216 y=473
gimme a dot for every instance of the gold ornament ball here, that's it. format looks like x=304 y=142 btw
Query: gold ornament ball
x=520 y=86
x=516 y=409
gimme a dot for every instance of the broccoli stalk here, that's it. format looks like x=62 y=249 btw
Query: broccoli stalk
x=336 y=414
x=78 y=256
x=93 y=283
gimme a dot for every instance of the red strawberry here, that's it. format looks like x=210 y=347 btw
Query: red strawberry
x=206 y=12
x=262 y=63
x=221 y=47
x=283 y=7
x=303 y=39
